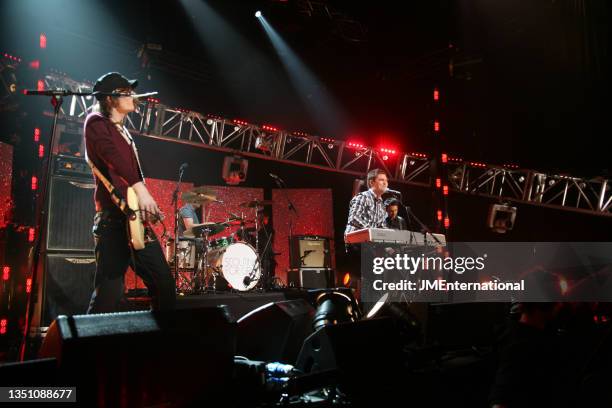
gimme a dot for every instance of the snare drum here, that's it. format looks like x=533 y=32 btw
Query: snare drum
x=186 y=252
x=236 y=262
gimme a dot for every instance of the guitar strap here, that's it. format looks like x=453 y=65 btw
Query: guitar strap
x=115 y=195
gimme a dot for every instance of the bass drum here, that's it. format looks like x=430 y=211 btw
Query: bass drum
x=235 y=263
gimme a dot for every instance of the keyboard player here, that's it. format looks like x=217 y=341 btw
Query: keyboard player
x=367 y=209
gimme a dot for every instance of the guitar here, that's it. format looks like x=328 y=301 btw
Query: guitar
x=136 y=225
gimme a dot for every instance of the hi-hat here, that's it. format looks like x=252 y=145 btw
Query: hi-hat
x=256 y=203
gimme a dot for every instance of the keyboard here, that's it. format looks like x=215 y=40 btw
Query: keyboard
x=403 y=237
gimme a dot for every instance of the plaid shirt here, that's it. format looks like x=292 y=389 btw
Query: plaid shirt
x=366 y=211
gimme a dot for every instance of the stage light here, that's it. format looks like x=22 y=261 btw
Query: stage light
x=3 y=324
x=438 y=182
x=436 y=126
x=445 y=190
x=35 y=64
x=436 y=94
x=408 y=326
x=31 y=234
x=346 y=280
x=34 y=183
x=235 y=169
x=501 y=218
x=446 y=222
x=36 y=134
x=40 y=85
x=377 y=306
x=258 y=14
x=6 y=272
x=43 y=41
x=333 y=307
x=444 y=158
x=28 y=285
x=41 y=151
x=439 y=215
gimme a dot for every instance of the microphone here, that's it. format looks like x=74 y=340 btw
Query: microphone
x=389 y=191
x=274 y=176
x=183 y=166
x=246 y=280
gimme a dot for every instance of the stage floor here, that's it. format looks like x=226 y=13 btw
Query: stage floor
x=238 y=304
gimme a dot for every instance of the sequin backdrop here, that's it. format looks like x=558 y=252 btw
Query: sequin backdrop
x=6 y=170
x=215 y=212
x=314 y=217
x=161 y=190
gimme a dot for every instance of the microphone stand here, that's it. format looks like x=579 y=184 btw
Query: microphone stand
x=424 y=228
x=176 y=221
x=291 y=207
x=42 y=221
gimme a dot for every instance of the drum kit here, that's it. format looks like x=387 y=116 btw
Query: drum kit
x=209 y=261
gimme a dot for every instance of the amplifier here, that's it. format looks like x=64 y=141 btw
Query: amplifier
x=311 y=278
x=69 y=283
x=72 y=166
x=71 y=212
x=310 y=251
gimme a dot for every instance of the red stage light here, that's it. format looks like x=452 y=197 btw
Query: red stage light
x=43 y=41
x=445 y=190
x=34 y=183
x=439 y=215
x=41 y=151
x=28 y=285
x=3 y=324
x=346 y=280
x=40 y=85
x=436 y=94
x=438 y=182
x=444 y=158
x=269 y=128
x=35 y=64
x=436 y=126
x=563 y=285
x=31 y=234
x=446 y=222
x=6 y=272
x=36 y=134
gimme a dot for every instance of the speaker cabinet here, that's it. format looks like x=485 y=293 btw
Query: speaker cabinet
x=310 y=251
x=71 y=214
x=69 y=283
x=311 y=278
x=276 y=331
x=137 y=359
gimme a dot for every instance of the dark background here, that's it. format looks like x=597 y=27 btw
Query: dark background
x=528 y=87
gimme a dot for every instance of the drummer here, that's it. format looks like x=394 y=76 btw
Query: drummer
x=189 y=217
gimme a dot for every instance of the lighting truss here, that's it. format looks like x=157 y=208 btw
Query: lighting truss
x=592 y=196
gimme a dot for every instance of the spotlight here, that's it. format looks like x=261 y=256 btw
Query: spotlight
x=409 y=328
x=234 y=169
x=258 y=14
x=501 y=218
x=334 y=307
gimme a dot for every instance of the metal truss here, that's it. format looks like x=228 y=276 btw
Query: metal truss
x=592 y=196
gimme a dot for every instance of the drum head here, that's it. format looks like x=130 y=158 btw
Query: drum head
x=238 y=262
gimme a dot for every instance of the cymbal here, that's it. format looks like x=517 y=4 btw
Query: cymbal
x=212 y=228
x=202 y=190
x=198 y=198
x=256 y=203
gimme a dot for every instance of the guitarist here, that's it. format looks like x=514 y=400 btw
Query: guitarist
x=111 y=149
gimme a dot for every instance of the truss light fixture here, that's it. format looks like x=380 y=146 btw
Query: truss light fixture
x=258 y=14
